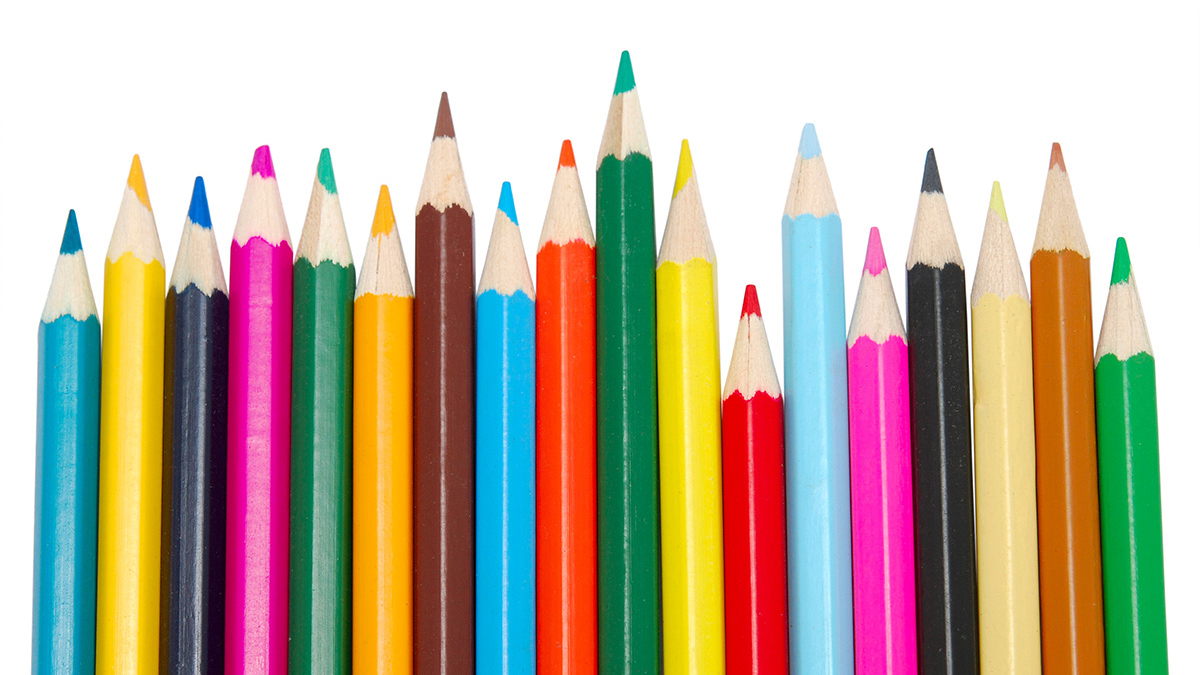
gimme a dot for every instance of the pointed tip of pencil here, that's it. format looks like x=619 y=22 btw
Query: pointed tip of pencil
x=325 y=172
x=137 y=182
x=684 y=173
x=566 y=157
x=198 y=209
x=71 y=242
x=385 y=217
x=876 y=262
x=997 y=203
x=750 y=304
x=1121 y=268
x=444 y=127
x=809 y=145
x=932 y=181
x=262 y=164
x=625 y=80
x=506 y=203
x=1056 y=157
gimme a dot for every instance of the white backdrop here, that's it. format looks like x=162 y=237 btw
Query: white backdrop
x=195 y=89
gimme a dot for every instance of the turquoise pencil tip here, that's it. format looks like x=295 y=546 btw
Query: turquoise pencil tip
x=1121 y=266
x=325 y=172
x=809 y=145
x=624 y=75
x=70 y=241
x=506 y=203
x=198 y=211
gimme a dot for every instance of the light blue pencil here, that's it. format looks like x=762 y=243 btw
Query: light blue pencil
x=505 y=604
x=820 y=607
x=67 y=483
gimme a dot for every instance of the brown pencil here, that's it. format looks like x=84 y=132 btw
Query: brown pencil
x=444 y=414
x=1065 y=429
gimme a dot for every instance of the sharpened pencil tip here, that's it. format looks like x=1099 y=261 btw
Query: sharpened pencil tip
x=262 y=164
x=567 y=156
x=198 y=210
x=137 y=182
x=70 y=241
x=932 y=181
x=444 y=127
x=750 y=302
x=506 y=203
x=809 y=145
x=684 y=173
x=325 y=172
x=1121 y=266
x=876 y=262
x=385 y=218
x=1056 y=158
x=997 y=203
x=624 y=75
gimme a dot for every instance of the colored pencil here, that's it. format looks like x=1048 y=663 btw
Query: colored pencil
x=626 y=431
x=319 y=599
x=131 y=418
x=444 y=413
x=195 y=425
x=1135 y=615
x=383 y=503
x=1005 y=461
x=260 y=369
x=756 y=599
x=1065 y=424
x=821 y=616
x=689 y=435
x=566 y=430
x=940 y=401
x=505 y=601
x=68 y=451
x=885 y=613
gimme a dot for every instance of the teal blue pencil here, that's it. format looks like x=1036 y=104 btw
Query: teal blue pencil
x=68 y=455
x=820 y=596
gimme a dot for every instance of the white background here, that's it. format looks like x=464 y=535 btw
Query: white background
x=195 y=89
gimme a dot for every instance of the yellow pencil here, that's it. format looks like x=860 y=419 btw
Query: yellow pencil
x=131 y=417
x=1005 y=464
x=383 y=407
x=689 y=433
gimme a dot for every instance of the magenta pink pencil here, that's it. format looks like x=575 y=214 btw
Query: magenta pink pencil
x=881 y=502
x=260 y=390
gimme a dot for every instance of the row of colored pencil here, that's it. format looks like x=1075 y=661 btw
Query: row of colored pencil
x=301 y=472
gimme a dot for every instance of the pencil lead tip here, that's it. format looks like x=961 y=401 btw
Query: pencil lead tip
x=624 y=75
x=684 y=173
x=445 y=123
x=1056 y=158
x=875 y=262
x=137 y=182
x=198 y=209
x=932 y=181
x=325 y=172
x=70 y=241
x=1121 y=268
x=809 y=145
x=385 y=218
x=997 y=203
x=262 y=164
x=506 y=203
x=566 y=157
x=750 y=302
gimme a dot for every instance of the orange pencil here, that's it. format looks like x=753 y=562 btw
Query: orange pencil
x=566 y=431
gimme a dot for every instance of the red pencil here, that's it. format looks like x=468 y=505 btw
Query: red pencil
x=756 y=631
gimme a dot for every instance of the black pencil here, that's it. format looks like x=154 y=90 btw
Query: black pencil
x=195 y=381
x=941 y=438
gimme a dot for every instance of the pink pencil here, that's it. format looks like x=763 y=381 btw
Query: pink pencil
x=260 y=389
x=881 y=511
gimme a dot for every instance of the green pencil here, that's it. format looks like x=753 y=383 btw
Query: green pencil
x=626 y=392
x=322 y=367
x=1135 y=615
